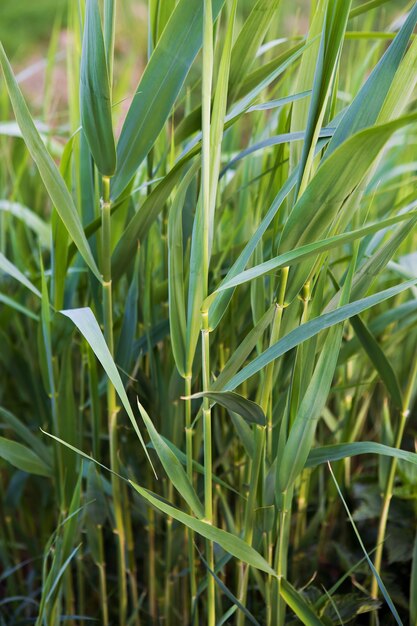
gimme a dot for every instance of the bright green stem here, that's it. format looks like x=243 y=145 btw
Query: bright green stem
x=112 y=408
x=131 y=572
x=208 y=471
x=282 y=553
x=391 y=479
x=188 y=532
x=260 y=437
x=207 y=80
x=269 y=374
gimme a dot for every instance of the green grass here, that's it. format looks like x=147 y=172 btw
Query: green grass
x=208 y=317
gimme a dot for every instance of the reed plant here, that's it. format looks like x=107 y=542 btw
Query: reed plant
x=208 y=306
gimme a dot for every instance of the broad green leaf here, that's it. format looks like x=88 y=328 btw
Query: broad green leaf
x=95 y=98
x=273 y=141
x=250 y=411
x=109 y=28
x=230 y=543
x=172 y=466
x=228 y=593
x=29 y=217
x=379 y=360
x=249 y=39
x=301 y=435
x=23 y=458
x=26 y=435
x=336 y=179
x=341 y=451
x=305 y=75
x=143 y=219
x=334 y=28
x=87 y=324
x=296 y=602
x=8 y=268
x=367 y=104
x=159 y=87
x=303 y=252
x=404 y=82
x=243 y=350
x=125 y=346
x=376 y=262
x=367 y=6
x=196 y=466
x=176 y=277
x=49 y=172
x=312 y=328
x=251 y=89
x=218 y=303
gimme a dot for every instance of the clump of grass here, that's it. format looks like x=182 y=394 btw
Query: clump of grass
x=209 y=322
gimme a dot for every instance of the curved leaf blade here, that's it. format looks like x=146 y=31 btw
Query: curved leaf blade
x=95 y=98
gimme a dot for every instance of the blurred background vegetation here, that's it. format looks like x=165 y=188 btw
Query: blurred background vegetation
x=26 y=25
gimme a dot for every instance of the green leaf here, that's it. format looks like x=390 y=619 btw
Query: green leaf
x=323 y=199
x=366 y=106
x=230 y=543
x=287 y=259
x=297 y=603
x=379 y=360
x=228 y=593
x=143 y=219
x=249 y=39
x=26 y=435
x=301 y=436
x=159 y=87
x=312 y=328
x=196 y=466
x=32 y=221
x=332 y=38
x=243 y=350
x=250 y=411
x=18 y=307
x=371 y=565
x=49 y=172
x=176 y=278
x=172 y=466
x=8 y=268
x=367 y=6
x=23 y=458
x=341 y=451
x=95 y=98
x=87 y=324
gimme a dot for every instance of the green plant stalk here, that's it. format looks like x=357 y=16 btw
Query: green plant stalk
x=112 y=408
x=153 y=607
x=208 y=469
x=102 y=578
x=189 y=466
x=260 y=436
x=282 y=553
x=132 y=574
x=80 y=590
x=390 y=481
x=260 y=439
x=168 y=564
x=207 y=80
